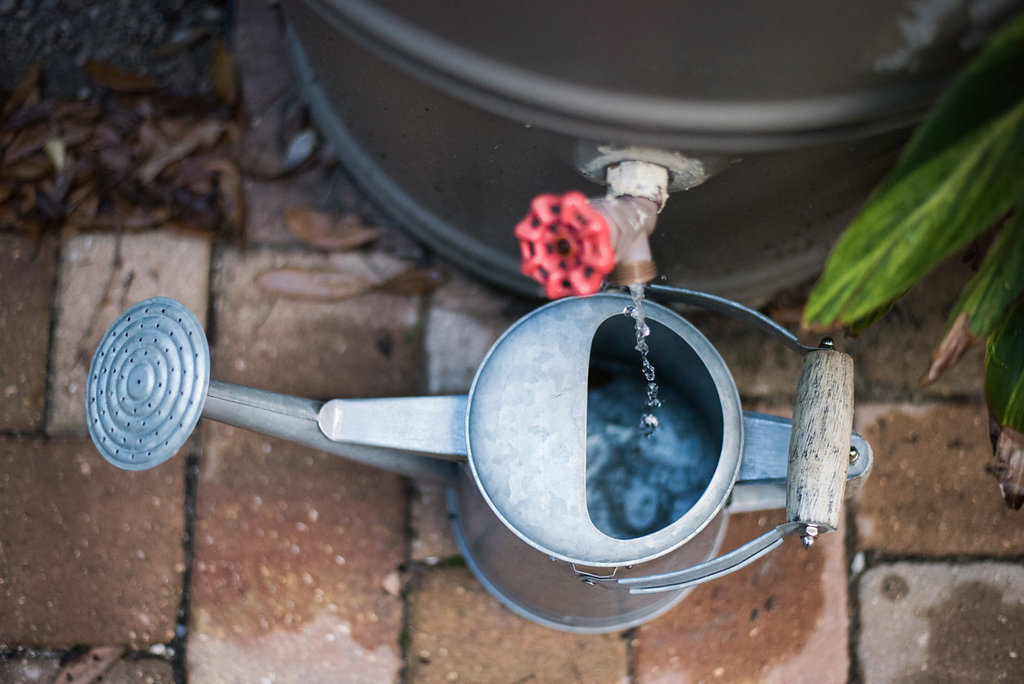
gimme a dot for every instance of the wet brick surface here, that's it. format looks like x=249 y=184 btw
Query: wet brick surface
x=459 y=632
x=297 y=553
x=101 y=276
x=367 y=346
x=293 y=554
x=929 y=492
x=89 y=554
x=782 y=619
x=934 y=622
x=26 y=297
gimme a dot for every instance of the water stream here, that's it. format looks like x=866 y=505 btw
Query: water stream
x=648 y=421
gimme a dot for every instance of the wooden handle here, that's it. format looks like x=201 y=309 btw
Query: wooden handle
x=819 y=446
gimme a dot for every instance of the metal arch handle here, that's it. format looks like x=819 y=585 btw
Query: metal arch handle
x=713 y=569
x=728 y=307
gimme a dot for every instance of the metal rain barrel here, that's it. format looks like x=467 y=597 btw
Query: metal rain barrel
x=779 y=118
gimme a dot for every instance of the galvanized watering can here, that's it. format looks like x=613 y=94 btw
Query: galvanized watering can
x=560 y=507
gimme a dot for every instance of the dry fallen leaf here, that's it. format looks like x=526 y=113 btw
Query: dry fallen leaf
x=416 y=281
x=180 y=41
x=126 y=162
x=31 y=169
x=1009 y=466
x=953 y=346
x=27 y=142
x=300 y=148
x=203 y=134
x=327 y=231
x=57 y=150
x=313 y=284
x=224 y=78
x=109 y=77
x=25 y=91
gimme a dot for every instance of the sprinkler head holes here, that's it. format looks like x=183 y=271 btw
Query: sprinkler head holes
x=147 y=384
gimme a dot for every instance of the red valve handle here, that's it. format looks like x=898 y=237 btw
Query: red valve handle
x=566 y=245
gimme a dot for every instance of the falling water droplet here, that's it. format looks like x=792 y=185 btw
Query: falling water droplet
x=648 y=421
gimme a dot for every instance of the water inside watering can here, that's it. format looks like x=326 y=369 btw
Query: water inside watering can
x=639 y=483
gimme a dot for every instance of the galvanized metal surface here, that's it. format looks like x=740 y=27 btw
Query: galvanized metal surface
x=426 y=425
x=528 y=424
x=549 y=591
x=147 y=384
x=298 y=420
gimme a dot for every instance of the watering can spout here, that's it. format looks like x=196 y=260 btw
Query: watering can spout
x=430 y=441
x=149 y=383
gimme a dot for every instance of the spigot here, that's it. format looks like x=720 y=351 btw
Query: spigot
x=566 y=245
x=571 y=244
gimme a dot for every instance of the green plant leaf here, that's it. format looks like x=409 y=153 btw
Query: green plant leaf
x=956 y=176
x=1004 y=371
x=913 y=224
x=985 y=300
x=999 y=281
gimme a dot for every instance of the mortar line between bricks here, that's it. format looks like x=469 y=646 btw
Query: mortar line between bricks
x=874 y=559
x=853 y=674
x=182 y=628
x=411 y=492
x=179 y=661
x=51 y=344
x=630 y=636
x=405 y=631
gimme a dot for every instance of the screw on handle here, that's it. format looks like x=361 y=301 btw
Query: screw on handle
x=819 y=446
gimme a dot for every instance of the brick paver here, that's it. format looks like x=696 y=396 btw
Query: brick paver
x=293 y=558
x=89 y=554
x=464 y=320
x=782 y=619
x=459 y=632
x=367 y=346
x=934 y=622
x=929 y=492
x=430 y=527
x=27 y=268
x=298 y=553
x=101 y=276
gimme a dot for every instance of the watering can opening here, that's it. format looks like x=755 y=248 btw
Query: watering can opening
x=640 y=482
